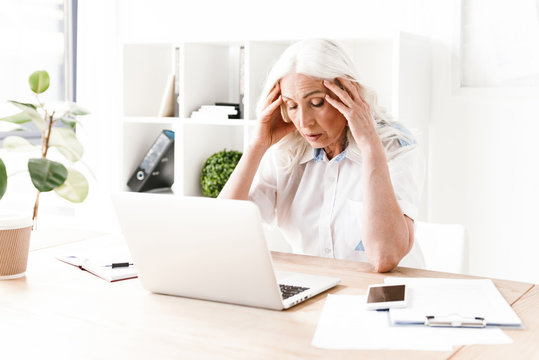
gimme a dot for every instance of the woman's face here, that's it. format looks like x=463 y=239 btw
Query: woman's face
x=318 y=122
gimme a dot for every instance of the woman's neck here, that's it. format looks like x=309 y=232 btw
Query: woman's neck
x=337 y=147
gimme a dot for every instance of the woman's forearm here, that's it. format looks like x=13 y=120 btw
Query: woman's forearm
x=238 y=185
x=386 y=230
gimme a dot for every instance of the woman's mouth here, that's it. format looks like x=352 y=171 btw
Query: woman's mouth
x=312 y=137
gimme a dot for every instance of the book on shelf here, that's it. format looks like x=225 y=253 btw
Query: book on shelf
x=168 y=99
x=237 y=114
x=242 y=80
x=219 y=111
x=176 y=82
x=110 y=264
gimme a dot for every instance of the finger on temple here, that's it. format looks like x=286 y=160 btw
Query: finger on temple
x=330 y=85
x=355 y=89
x=345 y=85
x=338 y=82
x=273 y=94
x=336 y=104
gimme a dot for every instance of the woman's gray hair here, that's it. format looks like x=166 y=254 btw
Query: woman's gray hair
x=324 y=59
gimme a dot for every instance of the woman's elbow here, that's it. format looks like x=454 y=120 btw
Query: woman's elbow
x=384 y=263
x=384 y=258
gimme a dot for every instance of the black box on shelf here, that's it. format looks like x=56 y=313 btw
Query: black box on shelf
x=156 y=170
x=238 y=114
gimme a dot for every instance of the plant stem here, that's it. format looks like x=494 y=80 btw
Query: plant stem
x=36 y=205
x=43 y=135
x=44 y=149
x=48 y=136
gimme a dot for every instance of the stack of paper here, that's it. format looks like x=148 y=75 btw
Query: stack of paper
x=445 y=298
x=345 y=323
x=213 y=112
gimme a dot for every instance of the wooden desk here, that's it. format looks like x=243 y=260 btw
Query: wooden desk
x=58 y=311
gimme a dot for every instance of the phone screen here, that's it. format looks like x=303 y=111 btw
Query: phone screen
x=386 y=293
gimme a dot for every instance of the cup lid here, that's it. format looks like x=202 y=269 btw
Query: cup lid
x=10 y=221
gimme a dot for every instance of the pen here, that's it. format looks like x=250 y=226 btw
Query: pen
x=117 y=265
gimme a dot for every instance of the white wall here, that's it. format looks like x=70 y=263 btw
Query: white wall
x=482 y=153
x=483 y=165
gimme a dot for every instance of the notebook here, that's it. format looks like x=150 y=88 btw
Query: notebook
x=210 y=249
x=110 y=264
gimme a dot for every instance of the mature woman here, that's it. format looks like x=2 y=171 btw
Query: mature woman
x=342 y=179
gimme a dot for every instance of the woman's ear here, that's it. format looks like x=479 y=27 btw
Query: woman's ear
x=284 y=114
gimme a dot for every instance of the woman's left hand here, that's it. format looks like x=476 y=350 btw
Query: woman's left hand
x=387 y=233
x=355 y=109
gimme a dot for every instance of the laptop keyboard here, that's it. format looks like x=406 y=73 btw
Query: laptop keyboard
x=290 y=290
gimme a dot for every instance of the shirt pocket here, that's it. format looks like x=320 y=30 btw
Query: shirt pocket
x=353 y=217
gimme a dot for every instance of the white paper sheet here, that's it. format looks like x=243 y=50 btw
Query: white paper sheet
x=346 y=324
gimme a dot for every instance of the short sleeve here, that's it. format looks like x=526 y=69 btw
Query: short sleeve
x=263 y=191
x=407 y=172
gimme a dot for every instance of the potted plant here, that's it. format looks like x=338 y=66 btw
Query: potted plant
x=216 y=171
x=57 y=126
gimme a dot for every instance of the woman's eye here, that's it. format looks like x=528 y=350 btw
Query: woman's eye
x=291 y=106
x=317 y=102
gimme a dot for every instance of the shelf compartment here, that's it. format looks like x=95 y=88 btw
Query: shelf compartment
x=210 y=73
x=146 y=68
x=138 y=137
x=199 y=143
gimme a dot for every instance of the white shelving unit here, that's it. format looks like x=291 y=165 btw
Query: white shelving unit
x=397 y=67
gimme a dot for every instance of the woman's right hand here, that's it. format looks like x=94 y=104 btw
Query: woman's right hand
x=271 y=127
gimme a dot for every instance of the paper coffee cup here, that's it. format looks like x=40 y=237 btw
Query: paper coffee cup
x=14 y=245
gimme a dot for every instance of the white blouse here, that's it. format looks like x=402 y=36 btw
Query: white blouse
x=318 y=205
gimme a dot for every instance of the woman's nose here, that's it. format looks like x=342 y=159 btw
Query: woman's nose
x=305 y=117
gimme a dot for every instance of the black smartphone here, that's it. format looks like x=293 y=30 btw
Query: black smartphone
x=382 y=296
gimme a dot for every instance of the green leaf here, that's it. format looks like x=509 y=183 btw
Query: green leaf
x=66 y=142
x=9 y=127
x=39 y=81
x=17 y=143
x=19 y=118
x=46 y=175
x=78 y=110
x=75 y=188
x=3 y=179
x=31 y=111
x=69 y=120
x=23 y=106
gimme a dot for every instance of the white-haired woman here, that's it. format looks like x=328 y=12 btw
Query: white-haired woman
x=342 y=181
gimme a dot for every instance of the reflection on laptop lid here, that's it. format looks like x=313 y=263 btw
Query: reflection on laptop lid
x=210 y=249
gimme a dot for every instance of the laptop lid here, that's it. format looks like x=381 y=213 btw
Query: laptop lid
x=201 y=248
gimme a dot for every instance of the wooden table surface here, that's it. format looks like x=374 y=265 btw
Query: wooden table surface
x=58 y=311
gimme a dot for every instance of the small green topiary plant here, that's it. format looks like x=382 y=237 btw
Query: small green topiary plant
x=216 y=171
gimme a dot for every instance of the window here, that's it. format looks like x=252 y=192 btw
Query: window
x=499 y=43
x=36 y=35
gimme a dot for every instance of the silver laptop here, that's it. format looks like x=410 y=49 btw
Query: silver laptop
x=208 y=249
